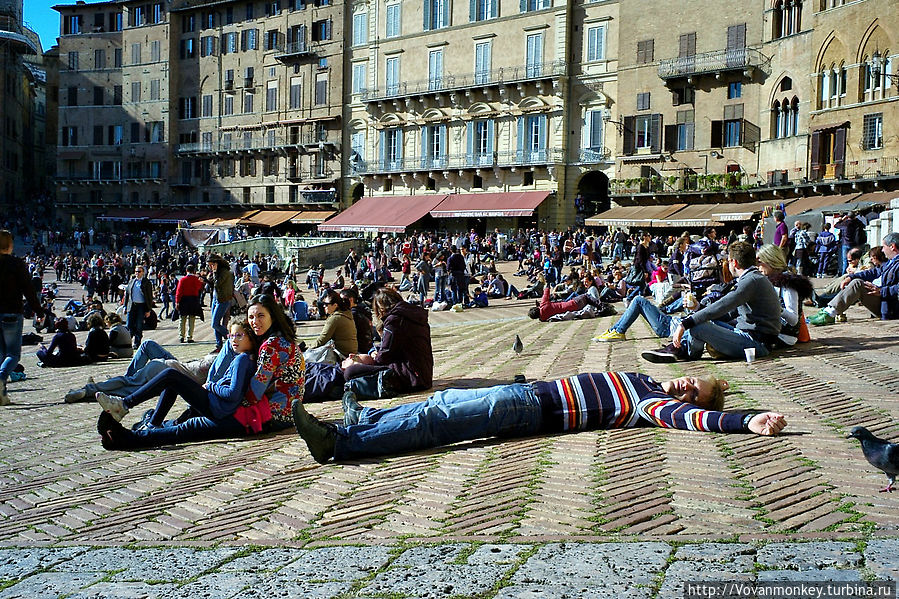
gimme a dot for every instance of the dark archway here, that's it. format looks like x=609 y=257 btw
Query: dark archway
x=356 y=193
x=593 y=188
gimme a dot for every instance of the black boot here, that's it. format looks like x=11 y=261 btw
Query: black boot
x=320 y=437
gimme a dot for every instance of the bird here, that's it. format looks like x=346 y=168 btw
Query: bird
x=518 y=346
x=880 y=453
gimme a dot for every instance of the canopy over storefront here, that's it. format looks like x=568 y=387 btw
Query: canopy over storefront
x=269 y=218
x=490 y=205
x=311 y=217
x=632 y=216
x=694 y=215
x=224 y=219
x=739 y=212
x=383 y=214
x=131 y=215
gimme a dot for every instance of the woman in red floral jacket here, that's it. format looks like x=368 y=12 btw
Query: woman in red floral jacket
x=279 y=377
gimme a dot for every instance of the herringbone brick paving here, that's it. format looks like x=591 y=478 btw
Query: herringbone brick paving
x=58 y=486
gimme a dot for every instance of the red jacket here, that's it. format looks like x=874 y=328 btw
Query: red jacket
x=188 y=286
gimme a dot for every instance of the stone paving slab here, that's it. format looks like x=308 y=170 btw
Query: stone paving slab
x=62 y=496
x=448 y=571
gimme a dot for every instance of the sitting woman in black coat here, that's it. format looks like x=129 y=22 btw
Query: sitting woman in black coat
x=63 y=350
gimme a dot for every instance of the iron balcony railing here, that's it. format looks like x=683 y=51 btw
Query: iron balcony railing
x=457 y=161
x=295 y=49
x=710 y=62
x=594 y=155
x=503 y=75
x=258 y=142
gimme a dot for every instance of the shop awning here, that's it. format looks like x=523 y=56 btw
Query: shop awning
x=693 y=215
x=829 y=126
x=385 y=214
x=130 y=215
x=177 y=216
x=490 y=205
x=817 y=202
x=877 y=197
x=225 y=219
x=740 y=212
x=311 y=217
x=632 y=216
x=269 y=218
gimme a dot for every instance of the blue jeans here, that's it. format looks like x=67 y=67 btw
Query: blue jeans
x=722 y=337
x=446 y=417
x=440 y=288
x=135 y=322
x=10 y=343
x=640 y=306
x=220 y=311
x=148 y=350
x=844 y=262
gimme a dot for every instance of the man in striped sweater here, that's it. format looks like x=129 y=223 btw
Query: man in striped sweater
x=606 y=400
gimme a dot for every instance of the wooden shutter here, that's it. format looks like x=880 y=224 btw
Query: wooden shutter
x=839 y=150
x=655 y=132
x=686 y=45
x=750 y=136
x=736 y=36
x=630 y=140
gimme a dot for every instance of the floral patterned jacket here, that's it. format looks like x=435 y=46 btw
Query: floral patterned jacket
x=278 y=382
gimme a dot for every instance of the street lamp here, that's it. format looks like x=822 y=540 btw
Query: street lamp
x=877 y=64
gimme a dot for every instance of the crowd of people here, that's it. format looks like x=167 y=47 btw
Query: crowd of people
x=718 y=295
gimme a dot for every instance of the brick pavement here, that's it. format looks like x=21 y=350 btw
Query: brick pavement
x=59 y=488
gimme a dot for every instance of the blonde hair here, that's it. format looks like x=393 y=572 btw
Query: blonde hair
x=773 y=256
x=716 y=400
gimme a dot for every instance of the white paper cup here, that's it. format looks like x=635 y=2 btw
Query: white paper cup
x=750 y=355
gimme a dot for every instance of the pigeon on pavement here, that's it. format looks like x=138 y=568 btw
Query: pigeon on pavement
x=518 y=346
x=880 y=453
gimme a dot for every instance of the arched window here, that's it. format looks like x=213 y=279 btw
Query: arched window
x=794 y=116
x=776 y=120
x=777 y=20
x=825 y=88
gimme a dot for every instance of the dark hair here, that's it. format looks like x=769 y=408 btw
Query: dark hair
x=333 y=297
x=281 y=323
x=876 y=253
x=534 y=313
x=61 y=325
x=96 y=320
x=743 y=253
x=351 y=293
x=383 y=300
x=855 y=254
x=6 y=239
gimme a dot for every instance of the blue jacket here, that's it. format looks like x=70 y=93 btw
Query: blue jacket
x=889 y=286
x=228 y=392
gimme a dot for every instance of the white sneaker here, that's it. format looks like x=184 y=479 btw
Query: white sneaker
x=114 y=405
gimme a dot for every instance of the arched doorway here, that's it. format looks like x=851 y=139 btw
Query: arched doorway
x=593 y=189
x=356 y=193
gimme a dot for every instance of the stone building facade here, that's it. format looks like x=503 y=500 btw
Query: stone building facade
x=199 y=104
x=23 y=108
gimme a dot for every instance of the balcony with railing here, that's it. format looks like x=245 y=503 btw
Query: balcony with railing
x=12 y=32
x=446 y=83
x=473 y=160
x=709 y=63
x=296 y=49
x=594 y=155
x=300 y=141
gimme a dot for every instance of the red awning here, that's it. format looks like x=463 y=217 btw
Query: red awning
x=177 y=216
x=385 y=214
x=490 y=205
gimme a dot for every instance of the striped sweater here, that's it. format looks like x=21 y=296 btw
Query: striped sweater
x=608 y=400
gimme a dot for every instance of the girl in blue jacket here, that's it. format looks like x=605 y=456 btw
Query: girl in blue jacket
x=212 y=405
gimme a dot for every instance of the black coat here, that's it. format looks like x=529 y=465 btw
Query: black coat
x=406 y=347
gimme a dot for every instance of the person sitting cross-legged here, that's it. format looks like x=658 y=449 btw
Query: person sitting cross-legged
x=757 y=325
x=605 y=400
x=881 y=299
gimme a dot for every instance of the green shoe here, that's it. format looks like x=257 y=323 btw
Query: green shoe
x=821 y=318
